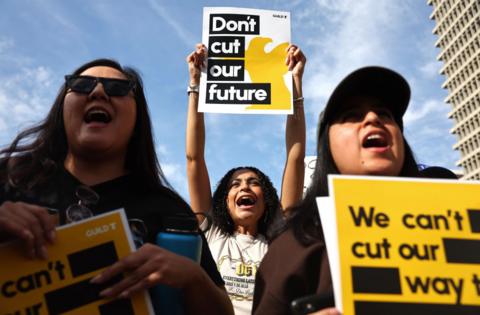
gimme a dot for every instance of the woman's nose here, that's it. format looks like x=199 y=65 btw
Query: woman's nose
x=371 y=117
x=244 y=185
x=98 y=92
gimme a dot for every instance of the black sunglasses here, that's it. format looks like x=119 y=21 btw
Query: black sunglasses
x=85 y=84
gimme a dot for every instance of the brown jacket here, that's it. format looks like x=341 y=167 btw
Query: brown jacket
x=289 y=271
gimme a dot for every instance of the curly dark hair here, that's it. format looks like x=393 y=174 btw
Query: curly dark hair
x=220 y=213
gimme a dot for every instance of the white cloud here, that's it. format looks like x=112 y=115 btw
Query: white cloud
x=427 y=108
x=8 y=57
x=24 y=99
x=433 y=145
x=176 y=175
x=431 y=69
x=348 y=36
x=6 y=44
x=341 y=36
x=162 y=150
x=214 y=122
x=426 y=127
x=312 y=134
x=180 y=30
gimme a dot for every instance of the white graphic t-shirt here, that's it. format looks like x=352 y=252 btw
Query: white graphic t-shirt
x=238 y=257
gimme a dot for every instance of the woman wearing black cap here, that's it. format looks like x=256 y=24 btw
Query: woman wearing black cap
x=360 y=132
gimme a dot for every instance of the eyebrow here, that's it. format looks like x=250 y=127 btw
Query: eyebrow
x=247 y=179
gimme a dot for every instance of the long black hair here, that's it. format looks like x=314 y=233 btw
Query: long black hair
x=36 y=153
x=221 y=216
x=304 y=219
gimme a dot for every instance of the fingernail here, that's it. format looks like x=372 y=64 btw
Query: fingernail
x=124 y=295
x=106 y=292
x=96 y=279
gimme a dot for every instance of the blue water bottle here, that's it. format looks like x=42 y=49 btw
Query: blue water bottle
x=180 y=235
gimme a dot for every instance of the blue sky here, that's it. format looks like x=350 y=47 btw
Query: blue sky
x=42 y=40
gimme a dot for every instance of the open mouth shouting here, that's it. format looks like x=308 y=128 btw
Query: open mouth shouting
x=246 y=201
x=376 y=140
x=97 y=115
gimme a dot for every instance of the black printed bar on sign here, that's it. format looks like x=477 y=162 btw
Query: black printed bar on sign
x=234 y=24
x=376 y=280
x=116 y=307
x=393 y=308
x=92 y=259
x=474 y=218
x=226 y=46
x=76 y=295
x=462 y=251
x=225 y=70
x=238 y=93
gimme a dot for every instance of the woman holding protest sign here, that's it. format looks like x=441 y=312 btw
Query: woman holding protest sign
x=245 y=203
x=360 y=132
x=97 y=138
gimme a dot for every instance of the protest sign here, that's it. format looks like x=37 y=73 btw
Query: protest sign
x=246 y=71
x=61 y=284
x=403 y=246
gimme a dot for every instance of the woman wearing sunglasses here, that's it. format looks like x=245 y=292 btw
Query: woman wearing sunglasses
x=98 y=134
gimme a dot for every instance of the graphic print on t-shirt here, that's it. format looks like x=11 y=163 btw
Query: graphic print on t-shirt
x=238 y=257
x=239 y=277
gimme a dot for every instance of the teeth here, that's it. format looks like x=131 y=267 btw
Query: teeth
x=372 y=137
x=375 y=140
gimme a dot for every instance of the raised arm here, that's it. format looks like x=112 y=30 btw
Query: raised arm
x=293 y=174
x=197 y=173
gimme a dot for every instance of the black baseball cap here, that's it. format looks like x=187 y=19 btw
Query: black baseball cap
x=387 y=85
x=437 y=172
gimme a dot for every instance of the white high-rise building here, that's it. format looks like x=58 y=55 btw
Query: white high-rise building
x=458 y=31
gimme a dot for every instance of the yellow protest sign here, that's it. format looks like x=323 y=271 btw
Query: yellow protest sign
x=406 y=246
x=60 y=285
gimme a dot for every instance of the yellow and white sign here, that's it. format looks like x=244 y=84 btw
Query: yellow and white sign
x=60 y=285
x=403 y=246
x=246 y=71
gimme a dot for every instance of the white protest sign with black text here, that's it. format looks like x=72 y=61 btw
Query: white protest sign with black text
x=246 y=71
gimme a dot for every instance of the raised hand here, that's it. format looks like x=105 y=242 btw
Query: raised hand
x=196 y=60
x=295 y=60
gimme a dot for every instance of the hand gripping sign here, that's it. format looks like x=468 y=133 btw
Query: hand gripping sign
x=61 y=284
x=403 y=245
x=246 y=71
